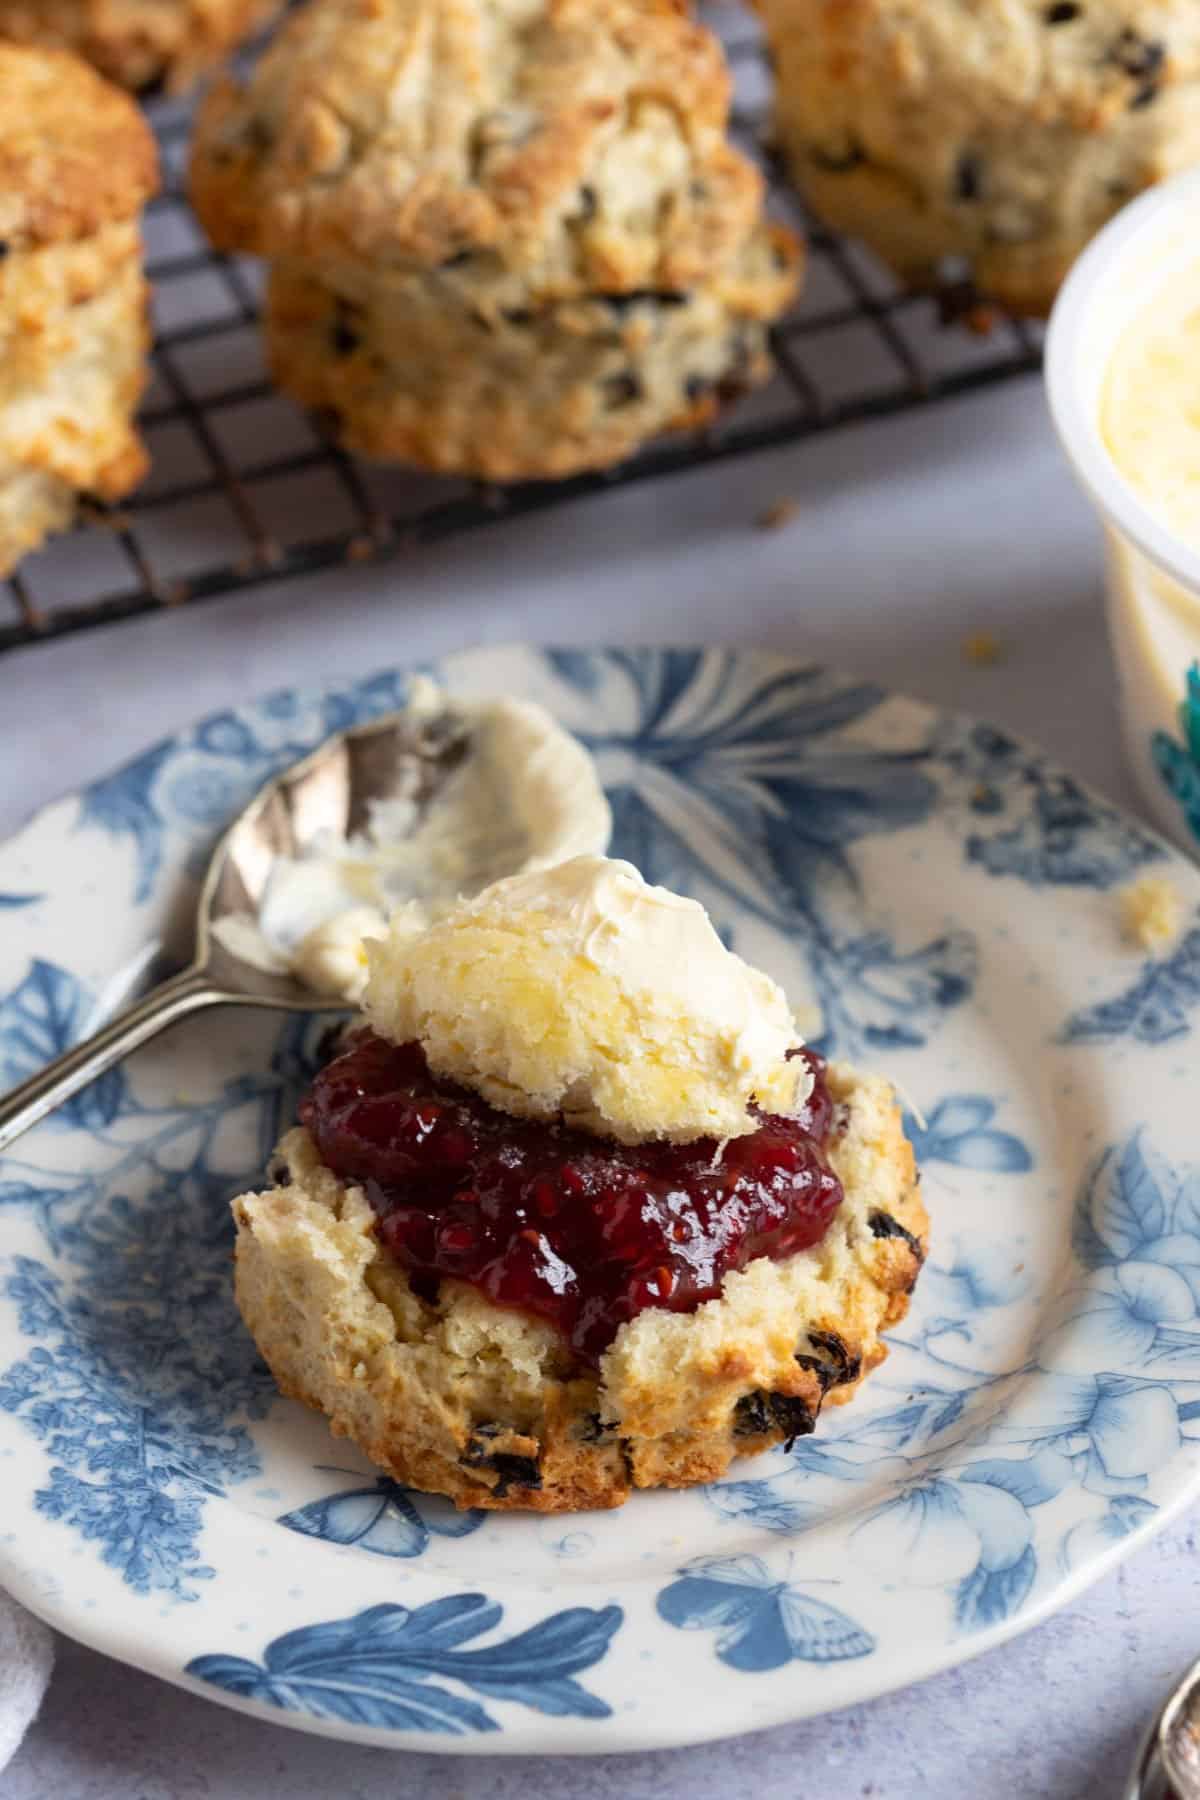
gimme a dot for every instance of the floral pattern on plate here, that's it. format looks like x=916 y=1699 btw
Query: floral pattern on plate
x=937 y=900
x=376 y=1668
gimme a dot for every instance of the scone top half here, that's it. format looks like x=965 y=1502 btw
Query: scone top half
x=579 y=1214
x=76 y=155
x=580 y=144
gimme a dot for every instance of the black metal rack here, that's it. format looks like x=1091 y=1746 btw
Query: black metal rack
x=245 y=488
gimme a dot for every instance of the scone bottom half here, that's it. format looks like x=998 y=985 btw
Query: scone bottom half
x=523 y=1314
x=449 y=373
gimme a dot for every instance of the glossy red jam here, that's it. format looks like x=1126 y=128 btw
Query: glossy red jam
x=578 y=1229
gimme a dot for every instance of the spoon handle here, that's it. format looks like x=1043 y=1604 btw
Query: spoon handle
x=33 y=1099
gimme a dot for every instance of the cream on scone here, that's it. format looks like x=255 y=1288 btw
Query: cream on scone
x=577 y=1212
x=77 y=162
x=582 y=993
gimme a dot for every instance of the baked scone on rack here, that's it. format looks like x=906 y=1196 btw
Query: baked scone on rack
x=996 y=136
x=508 y=238
x=77 y=162
x=139 y=43
x=573 y=1212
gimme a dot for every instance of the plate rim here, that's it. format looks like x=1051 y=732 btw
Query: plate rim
x=512 y=1743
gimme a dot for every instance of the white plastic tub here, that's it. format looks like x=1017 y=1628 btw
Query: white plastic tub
x=1153 y=576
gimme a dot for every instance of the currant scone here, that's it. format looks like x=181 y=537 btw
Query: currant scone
x=77 y=162
x=574 y=1211
x=508 y=238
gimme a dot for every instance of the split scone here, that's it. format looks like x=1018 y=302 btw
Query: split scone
x=1000 y=134
x=77 y=161
x=508 y=238
x=574 y=1212
x=139 y=43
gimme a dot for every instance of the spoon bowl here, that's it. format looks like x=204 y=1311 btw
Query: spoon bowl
x=404 y=755
x=331 y=792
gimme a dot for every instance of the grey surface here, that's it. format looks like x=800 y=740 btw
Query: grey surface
x=909 y=536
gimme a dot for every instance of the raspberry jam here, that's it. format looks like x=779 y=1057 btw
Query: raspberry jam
x=581 y=1230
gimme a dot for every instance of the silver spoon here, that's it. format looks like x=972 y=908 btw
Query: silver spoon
x=330 y=790
x=1179 y=1737
x=1164 y=1767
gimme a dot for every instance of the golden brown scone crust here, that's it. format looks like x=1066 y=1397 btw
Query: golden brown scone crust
x=509 y=237
x=75 y=154
x=481 y=1403
x=583 y=143
x=440 y=371
x=138 y=42
x=76 y=163
x=1001 y=132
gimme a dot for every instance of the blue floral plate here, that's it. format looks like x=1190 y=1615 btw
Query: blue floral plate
x=943 y=901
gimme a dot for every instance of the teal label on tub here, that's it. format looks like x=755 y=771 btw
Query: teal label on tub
x=1179 y=764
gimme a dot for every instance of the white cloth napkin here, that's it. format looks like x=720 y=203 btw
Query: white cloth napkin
x=26 y=1659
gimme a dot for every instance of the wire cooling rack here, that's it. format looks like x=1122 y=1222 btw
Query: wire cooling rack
x=246 y=488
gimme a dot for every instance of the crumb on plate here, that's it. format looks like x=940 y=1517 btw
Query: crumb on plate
x=1151 y=911
x=982 y=649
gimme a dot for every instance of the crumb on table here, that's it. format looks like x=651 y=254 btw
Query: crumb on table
x=777 y=515
x=1151 y=910
x=982 y=649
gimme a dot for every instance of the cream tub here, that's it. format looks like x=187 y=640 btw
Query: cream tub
x=1123 y=375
